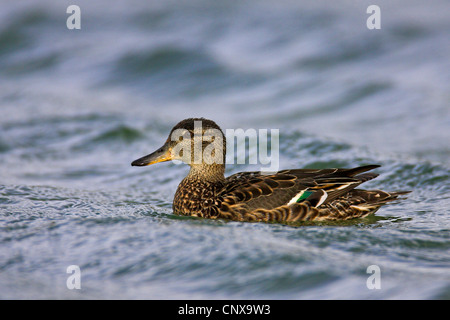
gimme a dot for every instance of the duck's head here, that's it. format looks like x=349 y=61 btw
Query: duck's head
x=198 y=142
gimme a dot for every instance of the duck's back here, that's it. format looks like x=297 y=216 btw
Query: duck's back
x=301 y=194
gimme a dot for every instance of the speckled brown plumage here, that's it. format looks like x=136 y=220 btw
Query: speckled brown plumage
x=286 y=196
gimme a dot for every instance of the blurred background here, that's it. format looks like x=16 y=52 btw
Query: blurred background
x=77 y=106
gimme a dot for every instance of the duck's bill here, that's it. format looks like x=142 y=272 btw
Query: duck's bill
x=160 y=155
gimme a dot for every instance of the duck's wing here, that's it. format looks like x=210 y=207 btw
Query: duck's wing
x=249 y=191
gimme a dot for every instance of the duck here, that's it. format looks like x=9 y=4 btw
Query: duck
x=286 y=196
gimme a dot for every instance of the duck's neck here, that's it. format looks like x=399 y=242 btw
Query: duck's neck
x=207 y=172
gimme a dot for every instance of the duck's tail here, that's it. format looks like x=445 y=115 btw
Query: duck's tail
x=358 y=203
x=375 y=197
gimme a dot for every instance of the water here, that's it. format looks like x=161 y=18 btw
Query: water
x=77 y=106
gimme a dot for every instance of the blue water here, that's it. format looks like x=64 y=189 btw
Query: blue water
x=77 y=106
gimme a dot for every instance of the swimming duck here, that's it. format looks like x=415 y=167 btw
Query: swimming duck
x=284 y=196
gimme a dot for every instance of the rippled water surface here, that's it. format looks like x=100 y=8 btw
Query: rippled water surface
x=77 y=106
